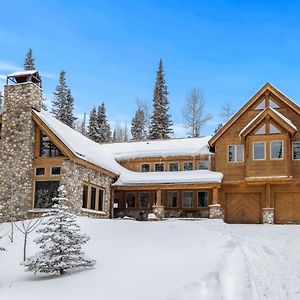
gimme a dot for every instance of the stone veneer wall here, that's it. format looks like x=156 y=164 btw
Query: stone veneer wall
x=73 y=178
x=17 y=149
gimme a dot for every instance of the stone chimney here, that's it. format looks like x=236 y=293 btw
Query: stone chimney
x=22 y=92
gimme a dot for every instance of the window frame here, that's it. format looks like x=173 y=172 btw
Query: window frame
x=141 y=167
x=294 y=142
x=159 y=163
x=188 y=191
x=188 y=162
x=174 y=162
x=282 y=154
x=177 y=199
x=99 y=190
x=51 y=173
x=39 y=175
x=235 y=153
x=206 y=161
x=135 y=202
x=34 y=193
x=265 y=150
x=140 y=193
x=207 y=193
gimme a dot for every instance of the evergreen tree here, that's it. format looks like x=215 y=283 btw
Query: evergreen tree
x=1 y=100
x=114 y=136
x=138 y=126
x=161 y=124
x=104 y=133
x=82 y=128
x=60 y=241
x=29 y=61
x=93 y=125
x=63 y=103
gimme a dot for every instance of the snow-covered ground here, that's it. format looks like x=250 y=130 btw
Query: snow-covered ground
x=168 y=260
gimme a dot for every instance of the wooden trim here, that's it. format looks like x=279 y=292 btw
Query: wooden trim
x=67 y=151
x=145 y=163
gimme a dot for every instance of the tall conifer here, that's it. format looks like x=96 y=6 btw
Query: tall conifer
x=104 y=133
x=93 y=125
x=29 y=61
x=138 y=126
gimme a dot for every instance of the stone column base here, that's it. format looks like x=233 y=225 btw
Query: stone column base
x=216 y=212
x=159 y=211
x=268 y=215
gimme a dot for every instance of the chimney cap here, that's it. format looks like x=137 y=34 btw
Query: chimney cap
x=25 y=76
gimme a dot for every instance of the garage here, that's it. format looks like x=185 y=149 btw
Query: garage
x=287 y=207
x=243 y=208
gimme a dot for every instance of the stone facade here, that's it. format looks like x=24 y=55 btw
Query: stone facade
x=73 y=178
x=216 y=212
x=17 y=149
x=268 y=215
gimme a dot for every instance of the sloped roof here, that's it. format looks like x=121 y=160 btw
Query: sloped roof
x=249 y=103
x=22 y=73
x=159 y=148
x=99 y=155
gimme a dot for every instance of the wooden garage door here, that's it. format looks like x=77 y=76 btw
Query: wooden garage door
x=287 y=207
x=243 y=208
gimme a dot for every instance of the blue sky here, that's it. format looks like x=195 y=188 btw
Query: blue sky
x=110 y=50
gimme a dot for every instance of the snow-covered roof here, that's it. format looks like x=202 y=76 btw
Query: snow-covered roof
x=152 y=178
x=99 y=155
x=280 y=115
x=159 y=148
x=22 y=73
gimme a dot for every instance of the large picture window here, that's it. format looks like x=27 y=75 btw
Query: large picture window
x=203 y=199
x=92 y=197
x=45 y=191
x=296 y=150
x=172 y=199
x=47 y=148
x=259 y=150
x=130 y=200
x=187 y=199
x=144 y=199
x=276 y=149
x=236 y=153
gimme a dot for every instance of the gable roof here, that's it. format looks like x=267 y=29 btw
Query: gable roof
x=275 y=115
x=81 y=149
x=249 y=103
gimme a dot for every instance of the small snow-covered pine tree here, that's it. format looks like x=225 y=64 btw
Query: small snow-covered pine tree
x=29 y=61
x=60 y=241
x=138 y=126
x=63 y=103
x=93 y=125
x=104 y=133
x=161 y=124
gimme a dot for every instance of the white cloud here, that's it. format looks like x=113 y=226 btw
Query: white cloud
x=7 y=66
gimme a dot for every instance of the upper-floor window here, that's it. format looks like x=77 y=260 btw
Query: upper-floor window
x=48 y=149
x=273 y=129
x=188 y=166
x=236 y=153
x=145 y=167
x=273 y=104
x=159 y=167
x=259 y=150
x=55 y=170
x=40 y=171
x=261 y=130
x=276 y=149
x=203 y=165
x=296 y=150
x=173 y=166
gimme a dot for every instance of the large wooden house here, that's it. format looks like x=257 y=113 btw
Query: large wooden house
x=247 y=173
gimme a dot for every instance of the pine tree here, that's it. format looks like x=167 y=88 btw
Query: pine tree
x=63 y=103
x=82 y=128
x=138 y=126
x=93 y=125
x=114 y=136
x=60 y=241
x=29 y=61
x=104 y=133
x=1 y=100
x=161 y=124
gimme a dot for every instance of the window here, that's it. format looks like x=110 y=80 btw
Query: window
x=273 y=129
x=261 y=130
x=144 y=199
x=188 y=166
x=172 y=199
x=276 y=148
x=92 y=197
x=203 y=199
x=55 y=170
x=130 y=200
x=159 y=167
x=145 y=167
x=261 y=105
x=236 y=153
x=85 y=196
x=296 y=150
x=48 y=149
x=174 y=166
x=187 y=199
x=259 y=151
x=40 y=171
x=273 y=104
x=203 y=165
x=44 y=192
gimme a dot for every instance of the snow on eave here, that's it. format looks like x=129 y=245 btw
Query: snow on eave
x=284 y=118
x=252 y=122
x=22 y=73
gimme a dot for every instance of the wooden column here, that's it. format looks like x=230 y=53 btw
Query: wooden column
x=215 y=195
x=158 y=198
x=268 y=195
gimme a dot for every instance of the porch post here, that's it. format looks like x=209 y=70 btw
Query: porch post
x=268 y=210
x=159 y=209
x=215 y=210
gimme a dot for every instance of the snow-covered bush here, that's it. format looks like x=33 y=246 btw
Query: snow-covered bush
x=60 y=240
